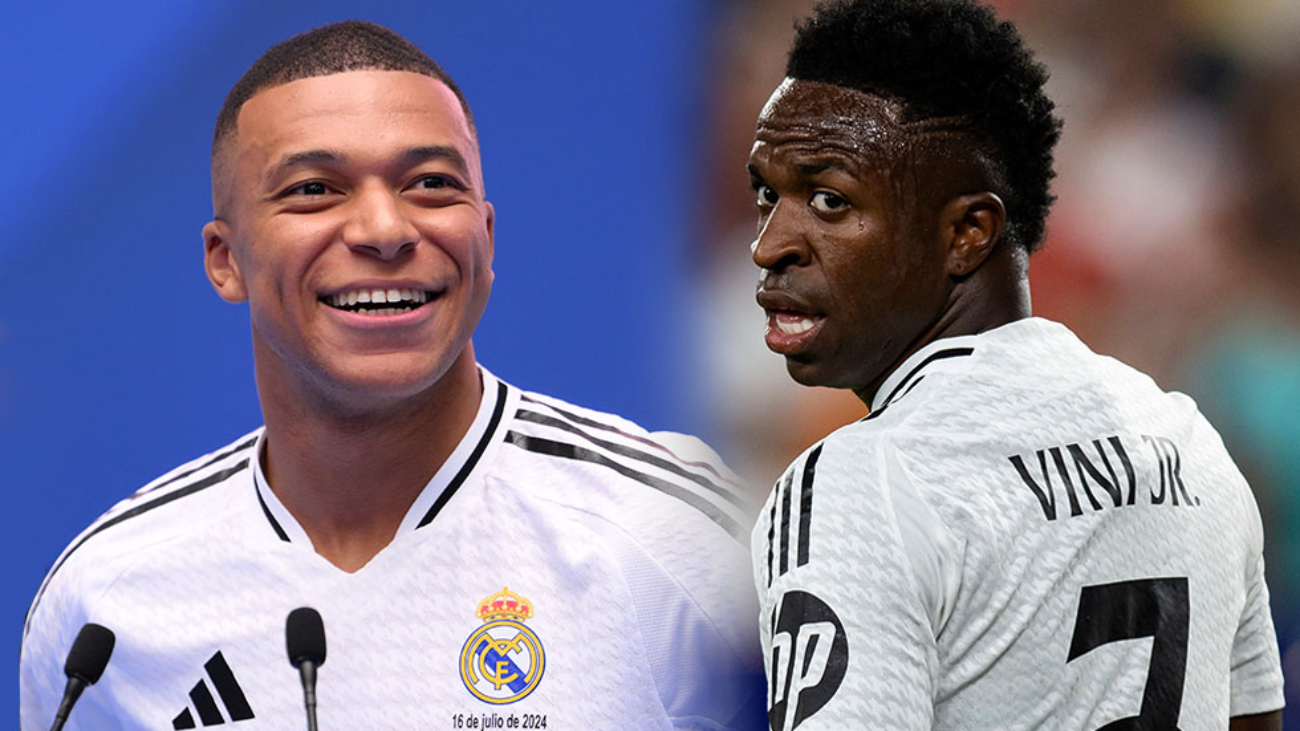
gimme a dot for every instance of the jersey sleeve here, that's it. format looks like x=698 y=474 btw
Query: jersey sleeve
x=1256 y=671
x=855 y=575
x=700 y=644
x=704 y=649
x=46 y=639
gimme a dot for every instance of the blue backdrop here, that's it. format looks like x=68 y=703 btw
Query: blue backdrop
x=117 y=361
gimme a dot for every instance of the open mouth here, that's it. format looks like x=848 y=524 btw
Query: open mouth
x=379 y=302
x=790 y=333
x=792 y=323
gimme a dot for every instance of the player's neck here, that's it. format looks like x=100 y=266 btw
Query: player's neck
x=994 y=295
x=350 y=479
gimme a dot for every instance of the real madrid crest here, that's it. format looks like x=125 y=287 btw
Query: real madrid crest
x=503 y=660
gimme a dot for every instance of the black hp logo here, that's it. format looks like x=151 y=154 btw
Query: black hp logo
x=809 y=656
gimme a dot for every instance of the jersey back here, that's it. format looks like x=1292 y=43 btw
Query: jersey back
x=1023 y=535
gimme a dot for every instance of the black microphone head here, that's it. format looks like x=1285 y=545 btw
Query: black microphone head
x=90 y=652
x=304 y=635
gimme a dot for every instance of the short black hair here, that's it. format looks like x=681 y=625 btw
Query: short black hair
x=352 y=45
x=946 y=59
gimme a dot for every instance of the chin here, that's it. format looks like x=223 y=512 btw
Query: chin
x=807 y=374
x=821 y=374
x=378 y=382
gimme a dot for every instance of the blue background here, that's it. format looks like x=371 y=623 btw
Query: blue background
x=117 y=361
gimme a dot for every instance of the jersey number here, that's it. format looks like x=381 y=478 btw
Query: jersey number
x=1155 y=608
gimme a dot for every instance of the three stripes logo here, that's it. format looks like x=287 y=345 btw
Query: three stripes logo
x=202 y=700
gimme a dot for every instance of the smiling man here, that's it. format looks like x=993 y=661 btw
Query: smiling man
x=1022 y=534
x=482 y=557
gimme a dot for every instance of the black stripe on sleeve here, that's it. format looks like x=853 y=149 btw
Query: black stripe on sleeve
x=228 y=688
x=787 y=487
x=206 y=705
x=636 y=454
x=574 y=452
x=212 y=479
x=584 y=421
x=470 y=463
x=805 y=503
x=771 y=534
x=177 y=478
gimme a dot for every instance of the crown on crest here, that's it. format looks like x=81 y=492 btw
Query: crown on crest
x=504 y=604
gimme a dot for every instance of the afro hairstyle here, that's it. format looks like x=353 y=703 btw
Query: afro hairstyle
x=951 y=60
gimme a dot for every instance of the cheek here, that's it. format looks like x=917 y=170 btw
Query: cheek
x=865 y=265
x=283 y=250
x=464 y=239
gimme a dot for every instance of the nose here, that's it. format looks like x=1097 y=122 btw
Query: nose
x=780 y=243
x=378 y=226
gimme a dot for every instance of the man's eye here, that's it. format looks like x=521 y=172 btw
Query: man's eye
x=766 y=196
x=435 y=182
x=827 y=202
x=311 y=187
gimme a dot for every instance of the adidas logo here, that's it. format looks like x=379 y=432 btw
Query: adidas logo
x=201 y=700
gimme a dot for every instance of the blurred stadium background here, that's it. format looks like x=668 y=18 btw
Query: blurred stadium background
x=614 y=137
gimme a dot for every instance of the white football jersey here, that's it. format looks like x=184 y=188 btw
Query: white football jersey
x=1022 y=535
x=564 y=569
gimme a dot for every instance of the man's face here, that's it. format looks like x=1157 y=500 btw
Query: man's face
x=853 y=271
x=351 y=216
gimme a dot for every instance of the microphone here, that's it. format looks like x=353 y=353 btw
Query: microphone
x=304 y=635
x=86 y=662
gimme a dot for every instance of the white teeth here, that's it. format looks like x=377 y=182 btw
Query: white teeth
x=374 y=296
x=793 y=327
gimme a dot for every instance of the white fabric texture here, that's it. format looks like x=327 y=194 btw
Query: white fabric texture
x=632 y=560
x=1022 y=535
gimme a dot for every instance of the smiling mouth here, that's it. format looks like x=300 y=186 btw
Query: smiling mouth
x=379 y=302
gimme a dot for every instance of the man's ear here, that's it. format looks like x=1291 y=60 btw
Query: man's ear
x=972 y=224
x=220 y=263
x=491 y=232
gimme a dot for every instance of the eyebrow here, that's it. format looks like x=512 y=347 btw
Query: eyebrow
x=436 y=152
x=824 y=164
x=813 y=168
x=412 y=156
x=301 y=158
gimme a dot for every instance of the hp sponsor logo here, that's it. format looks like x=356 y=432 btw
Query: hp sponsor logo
x=809 y=656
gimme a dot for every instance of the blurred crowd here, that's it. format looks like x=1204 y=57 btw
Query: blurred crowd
x=1174 y=244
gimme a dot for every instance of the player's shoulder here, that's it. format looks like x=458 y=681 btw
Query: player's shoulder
x=187 y=488
x=183 y=502
x=611 y=467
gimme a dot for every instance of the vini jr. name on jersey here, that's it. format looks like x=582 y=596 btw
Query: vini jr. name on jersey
x=1088 y=476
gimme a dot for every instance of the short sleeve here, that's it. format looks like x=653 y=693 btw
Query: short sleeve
x=847 y=629
x=40 y=675
x=1256 y=670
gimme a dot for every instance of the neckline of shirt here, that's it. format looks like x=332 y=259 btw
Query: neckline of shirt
x=468 y=459
x=910 y=370
x=946 y=353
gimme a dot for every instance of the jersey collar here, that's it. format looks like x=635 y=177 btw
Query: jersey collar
x=907 y=375
x=462 y=466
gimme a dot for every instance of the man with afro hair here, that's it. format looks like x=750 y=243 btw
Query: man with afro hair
x=1022 y=534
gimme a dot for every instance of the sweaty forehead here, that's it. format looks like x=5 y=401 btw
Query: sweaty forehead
x=817 y=117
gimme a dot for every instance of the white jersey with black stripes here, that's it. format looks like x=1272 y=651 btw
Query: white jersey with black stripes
x=1022 y=535
x=564 y=569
